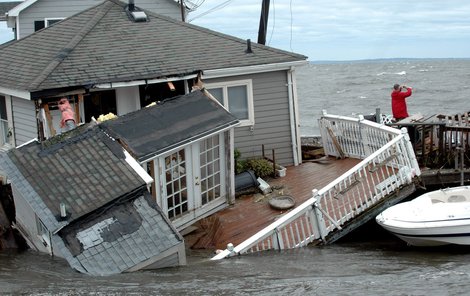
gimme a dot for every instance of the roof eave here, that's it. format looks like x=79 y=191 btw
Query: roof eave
x=193 y=139
x=24 y=94
x=216 y=73
x=15 y=11
x=108 y=85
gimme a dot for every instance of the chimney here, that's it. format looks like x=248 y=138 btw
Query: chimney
x=131 y=5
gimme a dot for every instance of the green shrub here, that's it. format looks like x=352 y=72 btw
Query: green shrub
x=261 y=167
x=239 y=164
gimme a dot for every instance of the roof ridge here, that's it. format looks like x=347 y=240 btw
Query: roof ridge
x=64 y=52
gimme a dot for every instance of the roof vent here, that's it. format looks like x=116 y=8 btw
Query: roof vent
x=248 y=46
x=135 y=14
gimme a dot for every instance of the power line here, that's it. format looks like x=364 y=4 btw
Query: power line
x=274 y=23
x=220 y=6
x=291 y=25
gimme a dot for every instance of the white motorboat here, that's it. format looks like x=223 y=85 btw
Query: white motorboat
x=435 y=218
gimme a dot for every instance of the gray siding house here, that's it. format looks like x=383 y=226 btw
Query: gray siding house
x=30 y=16
x=80 y=196
x=120 y=68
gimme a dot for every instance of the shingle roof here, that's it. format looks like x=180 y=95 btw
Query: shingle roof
x=85 y=171
x=5 y=7
x=171 y=123
x=116 y=240
x=113 y=224
x=102 y=44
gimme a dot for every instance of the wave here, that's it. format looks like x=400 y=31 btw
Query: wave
x=387 y=73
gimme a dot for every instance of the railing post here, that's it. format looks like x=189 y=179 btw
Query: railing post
x=275 y=240
x=410 y=151
x=364 y=139
x=319 y=221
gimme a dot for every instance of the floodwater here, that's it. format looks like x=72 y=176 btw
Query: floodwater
x=375 y=263
x=372 y=262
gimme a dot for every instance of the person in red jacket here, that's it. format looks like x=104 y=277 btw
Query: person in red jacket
x=399 y=109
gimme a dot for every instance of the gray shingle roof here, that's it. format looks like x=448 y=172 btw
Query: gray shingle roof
x=114 y=241
x=171 y=123
x=5 y=7
x=85 y=171
x=102 y=44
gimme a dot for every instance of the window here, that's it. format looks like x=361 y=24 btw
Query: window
x=237 y=97
x=43 y=232
x=38 y=25
x=3 y=121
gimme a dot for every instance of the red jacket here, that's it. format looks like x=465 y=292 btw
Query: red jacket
x=399 y=104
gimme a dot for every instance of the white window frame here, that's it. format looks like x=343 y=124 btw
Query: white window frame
x=249 y=89
x=46 y=20
x=43 y=232
x=4 y=126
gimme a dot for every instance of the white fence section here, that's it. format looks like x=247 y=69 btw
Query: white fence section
x=388 y=163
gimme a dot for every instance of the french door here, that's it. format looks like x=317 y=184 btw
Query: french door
x=192 y=179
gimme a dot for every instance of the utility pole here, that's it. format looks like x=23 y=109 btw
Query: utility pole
x=182 y=10
x=263 y=22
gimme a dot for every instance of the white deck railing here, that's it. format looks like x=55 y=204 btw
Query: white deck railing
x=388 y=163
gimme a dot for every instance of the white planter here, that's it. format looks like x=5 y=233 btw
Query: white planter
x=281 y=172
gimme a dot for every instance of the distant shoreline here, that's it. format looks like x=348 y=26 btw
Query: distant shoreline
x=382 y=60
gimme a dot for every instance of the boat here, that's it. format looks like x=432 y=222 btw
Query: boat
x=435 y=218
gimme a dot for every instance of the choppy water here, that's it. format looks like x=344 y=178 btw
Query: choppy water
x=375 y=263
x=439 y=86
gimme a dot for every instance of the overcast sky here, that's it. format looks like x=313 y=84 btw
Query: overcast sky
x=343 y=29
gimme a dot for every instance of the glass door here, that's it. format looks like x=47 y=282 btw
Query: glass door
x=176 y=184
x=211 y=185
x=192 y=181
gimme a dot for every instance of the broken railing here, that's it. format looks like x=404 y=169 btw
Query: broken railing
x=388 y=163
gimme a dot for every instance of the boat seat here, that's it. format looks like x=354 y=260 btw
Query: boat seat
x=457 y=198
x=436 y=201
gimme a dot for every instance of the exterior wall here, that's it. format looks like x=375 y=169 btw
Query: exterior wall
x=165 y=7
x=272 y=121
x=60 y=9
x=26 y=219
x=127 y=99
x=24 y=120
x=50 y=9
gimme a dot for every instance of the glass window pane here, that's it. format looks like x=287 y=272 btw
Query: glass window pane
x=217 y=93
x=238 y=101
x=3 y=108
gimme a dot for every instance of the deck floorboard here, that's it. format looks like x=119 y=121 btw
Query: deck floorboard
x=251 y=213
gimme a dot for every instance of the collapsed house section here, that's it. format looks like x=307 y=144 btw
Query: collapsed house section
x=79 y=197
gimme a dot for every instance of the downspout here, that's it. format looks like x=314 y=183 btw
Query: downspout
x=17 y=31
x=293 y=115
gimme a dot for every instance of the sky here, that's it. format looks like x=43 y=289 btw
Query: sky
x=342 y=29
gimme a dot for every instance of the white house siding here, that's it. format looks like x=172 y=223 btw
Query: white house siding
x=165 y=7
x=24 y=120
x=50 y=9
x=64 y=8
x=127 y=99
x=272 y=122
x=26 y=219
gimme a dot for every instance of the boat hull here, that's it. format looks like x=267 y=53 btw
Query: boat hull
x=437 y=218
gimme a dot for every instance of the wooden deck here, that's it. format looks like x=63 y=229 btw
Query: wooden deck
x=251 y=213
